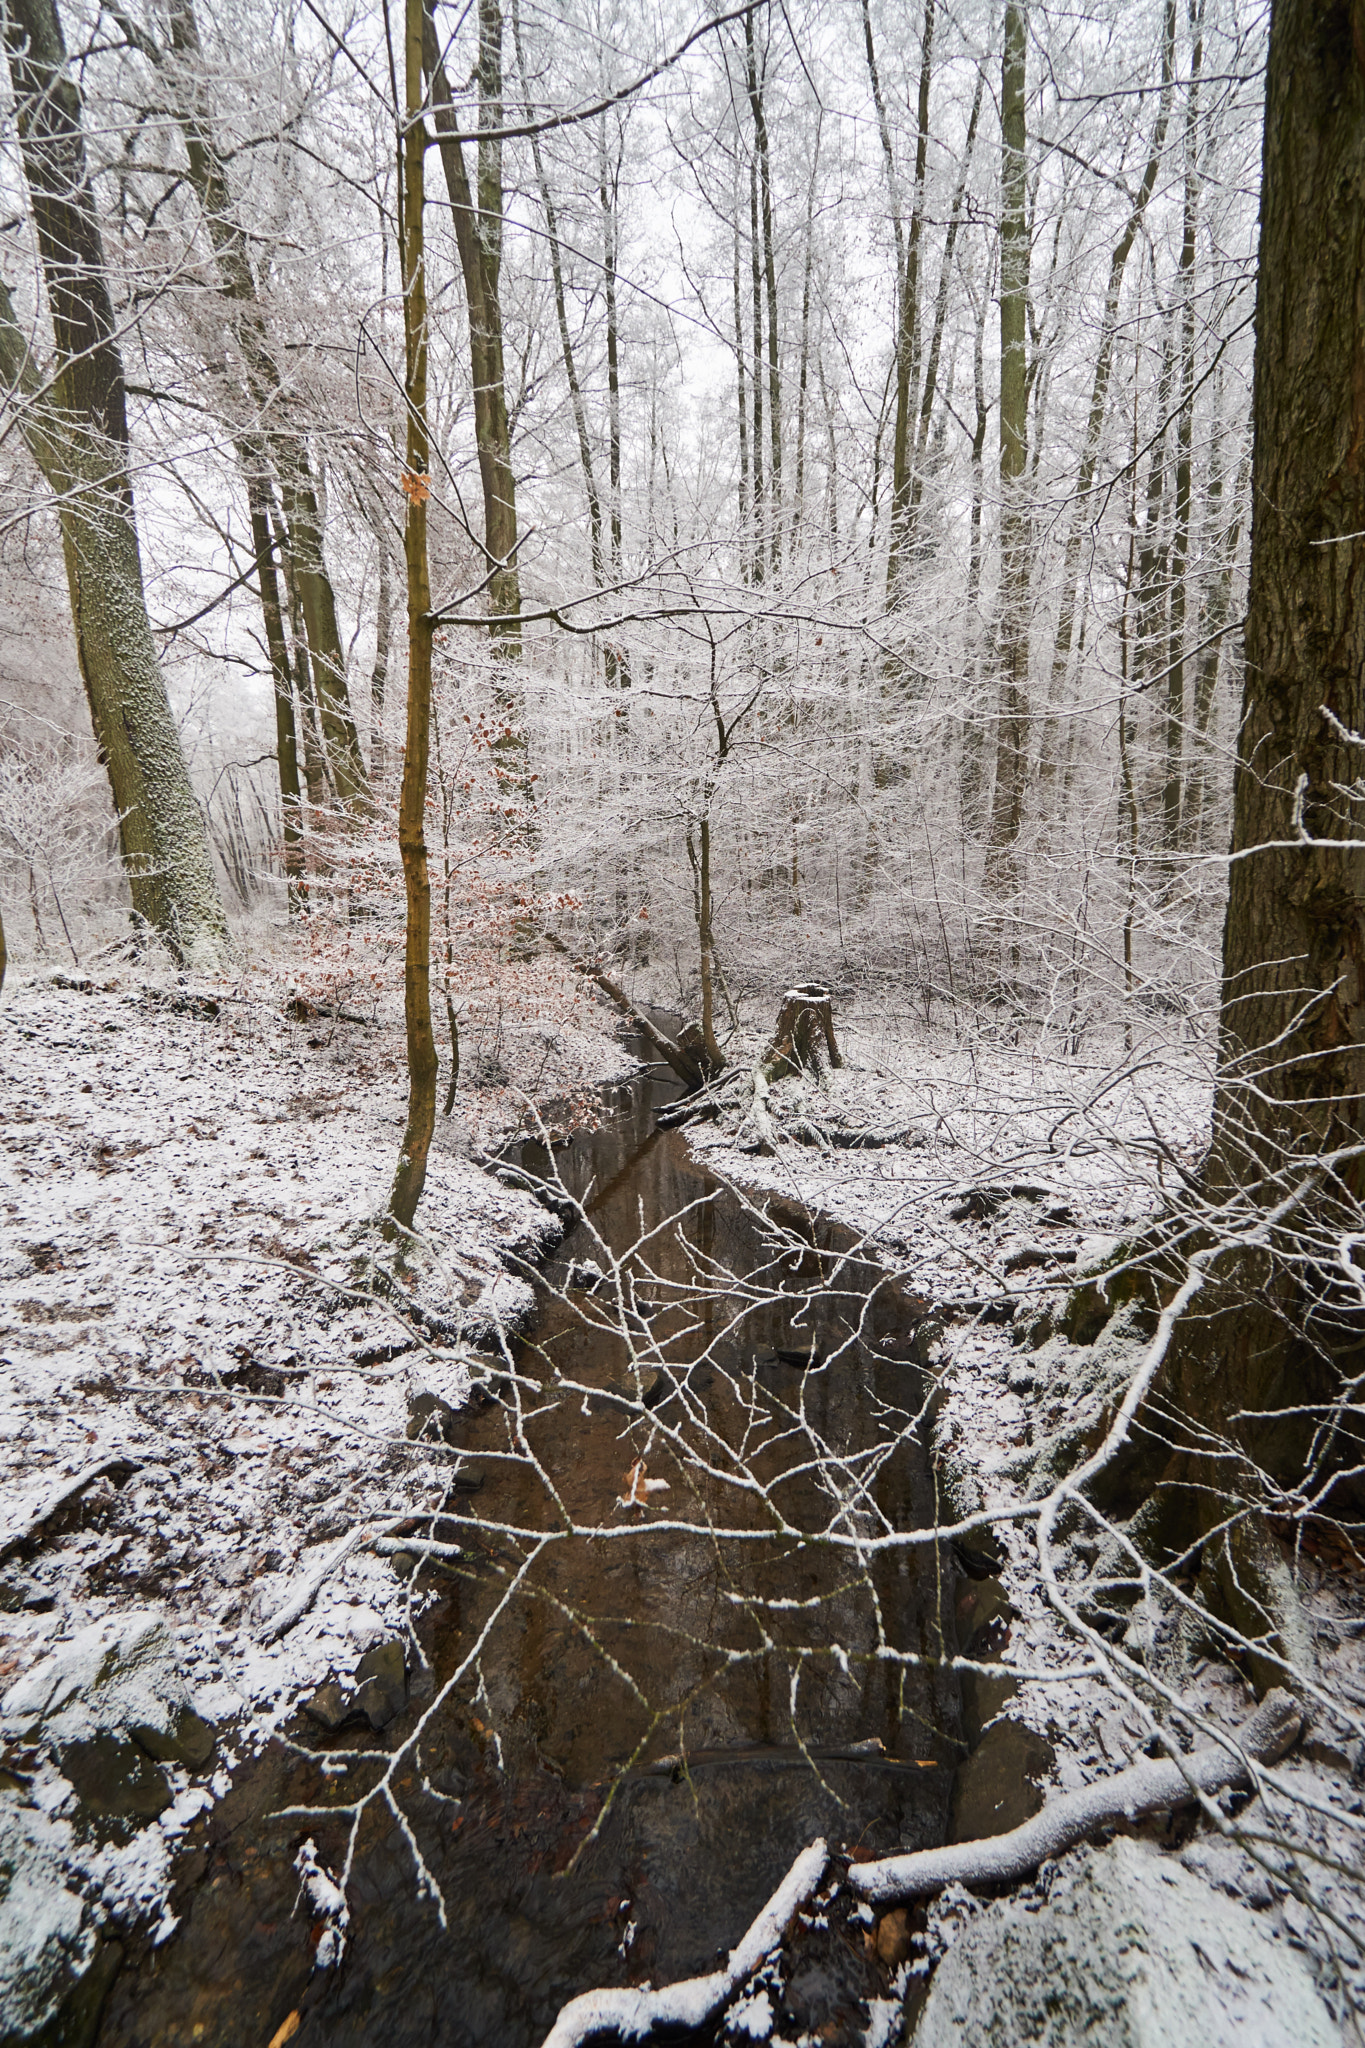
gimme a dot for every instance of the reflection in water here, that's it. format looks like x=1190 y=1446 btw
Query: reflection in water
x=672 y=1645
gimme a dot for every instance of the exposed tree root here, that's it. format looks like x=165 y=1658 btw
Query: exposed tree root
x=1143 y=1789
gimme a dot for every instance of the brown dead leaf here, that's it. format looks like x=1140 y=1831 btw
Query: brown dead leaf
x=418 y=490
x=893 y=1942
x=637 y=1486
x=287 y=2031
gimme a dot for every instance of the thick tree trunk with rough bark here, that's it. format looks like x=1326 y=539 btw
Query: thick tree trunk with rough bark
x=77 y=431
x=1291 y=1066
x=803 y=1040
x=1241 y=1420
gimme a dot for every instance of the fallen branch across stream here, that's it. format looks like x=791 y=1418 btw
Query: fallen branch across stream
x=1127 y=1796
x=635 y=2013
x=685 y=1056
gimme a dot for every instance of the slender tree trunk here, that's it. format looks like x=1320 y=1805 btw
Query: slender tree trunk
x=973 y=797
x=760 y=503
x=77 y=432
x=755 y=81
x=803 y=372
x=607 y=199
x=1099 y=390
x=1174 y=787
x=742 y=386
x=908 y=325
x=410 y=1177
x=288 y=450
x=1012 y=738
x=931 y=363
x=314 y=757
x=566 y=348
x=616 y=662
x=478 y=221
x=1214 y=633
x=286 y=737
x=383 y=637
x=478 y=237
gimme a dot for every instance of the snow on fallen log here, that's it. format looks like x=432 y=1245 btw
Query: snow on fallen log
x=120 y=1462
x=1127 y=1796
x=691 y=2003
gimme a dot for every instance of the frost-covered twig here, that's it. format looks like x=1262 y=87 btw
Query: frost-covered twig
x=635 y=2013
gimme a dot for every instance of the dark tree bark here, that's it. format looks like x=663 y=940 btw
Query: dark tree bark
x=478 y=236
x=1291 y=1081
x=1244 y=1418
x=286 y=734
x=76 y=428
x=803 y=1040
x=288 y=451
x=477 y=215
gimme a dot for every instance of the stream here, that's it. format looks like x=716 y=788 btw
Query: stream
x=650 y=1721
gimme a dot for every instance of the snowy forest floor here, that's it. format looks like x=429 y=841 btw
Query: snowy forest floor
x=188 y=1198
x=187 y=1222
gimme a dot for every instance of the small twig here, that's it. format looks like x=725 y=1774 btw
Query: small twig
x=294 y=1610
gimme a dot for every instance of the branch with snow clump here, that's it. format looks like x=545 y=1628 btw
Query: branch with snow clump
x=1128 y=1795
x=327 y=1902
x=691 y=2003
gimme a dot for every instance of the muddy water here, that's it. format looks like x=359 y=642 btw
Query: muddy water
x=658 y=1700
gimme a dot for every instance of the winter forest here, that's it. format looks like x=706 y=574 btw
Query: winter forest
x=682 y=1021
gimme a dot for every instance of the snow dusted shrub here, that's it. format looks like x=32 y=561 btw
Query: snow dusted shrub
x=58 y=858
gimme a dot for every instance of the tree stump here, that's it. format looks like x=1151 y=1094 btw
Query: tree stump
x=803 y=1041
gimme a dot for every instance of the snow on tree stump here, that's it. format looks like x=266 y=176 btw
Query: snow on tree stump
x=803 y=1041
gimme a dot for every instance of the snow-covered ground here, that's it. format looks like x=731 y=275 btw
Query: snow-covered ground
x=190 y=1185
x=190 y=1179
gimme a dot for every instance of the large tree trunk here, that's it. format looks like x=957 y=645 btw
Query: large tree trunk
x=1291 y=1077
x=1243 y=1417
x=76 y=429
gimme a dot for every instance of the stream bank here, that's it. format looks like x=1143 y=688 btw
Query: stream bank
x=625 y=1705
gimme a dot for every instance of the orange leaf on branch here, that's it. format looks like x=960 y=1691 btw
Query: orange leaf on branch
x=416 y=485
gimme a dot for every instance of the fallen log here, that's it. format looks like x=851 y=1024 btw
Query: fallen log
x=635 y=2013
x=685 y=1054
x=1127 y=1796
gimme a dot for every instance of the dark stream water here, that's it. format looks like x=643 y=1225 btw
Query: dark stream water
x=766 y=1378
